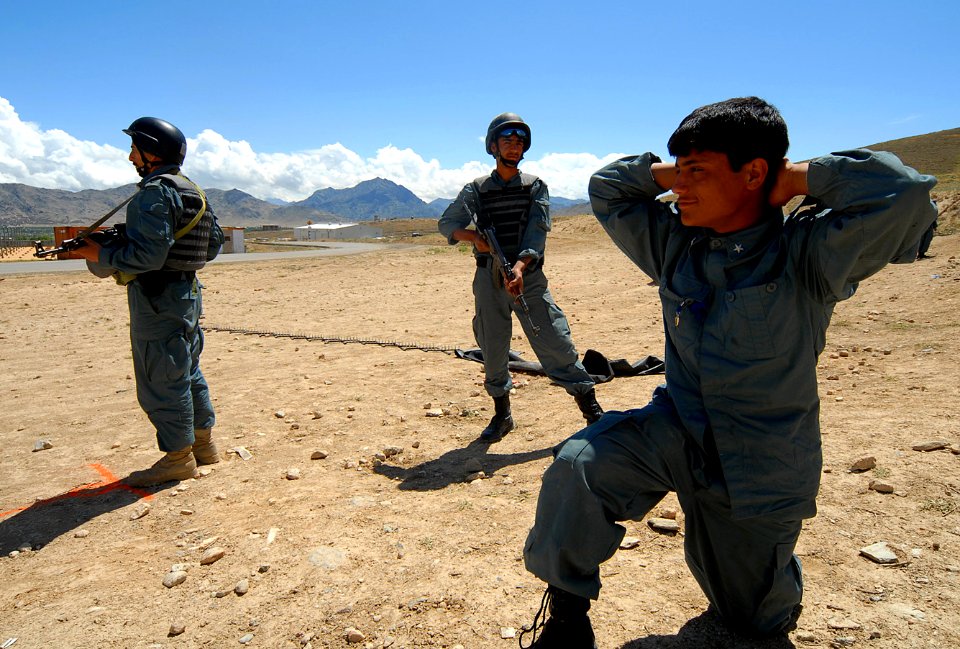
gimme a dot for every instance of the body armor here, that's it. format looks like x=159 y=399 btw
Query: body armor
x=507 y=209
x=189 y=252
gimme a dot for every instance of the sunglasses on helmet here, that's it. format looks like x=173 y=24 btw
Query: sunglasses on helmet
x=519 y=132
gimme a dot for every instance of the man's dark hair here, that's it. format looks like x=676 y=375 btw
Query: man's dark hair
x=744 y=128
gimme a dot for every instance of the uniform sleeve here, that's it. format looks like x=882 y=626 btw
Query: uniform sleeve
x=879 y=209
x=623 y=196
x=534 y=239
x=456 y=216
x=149 y=232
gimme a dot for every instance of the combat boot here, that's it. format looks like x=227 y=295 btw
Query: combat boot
x=204 y=448
x=501 y=423
x=177 y=465
x=567 y=627
x=589 y=407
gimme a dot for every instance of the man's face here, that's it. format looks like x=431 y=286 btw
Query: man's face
x=510 y=148
x=135 y=157
x=710 y=193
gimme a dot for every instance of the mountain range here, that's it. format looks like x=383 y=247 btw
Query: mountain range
x=935 y=153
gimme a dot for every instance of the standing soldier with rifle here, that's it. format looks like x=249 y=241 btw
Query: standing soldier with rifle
x=511 y=212
x=170 y=233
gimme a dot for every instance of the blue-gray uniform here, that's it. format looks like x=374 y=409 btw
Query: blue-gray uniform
x=735 y=431
x=521 y=233
x=165 y=302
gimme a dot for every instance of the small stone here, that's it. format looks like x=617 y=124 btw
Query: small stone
x=174 y=578
x=434 y=412
x=263 y=568
x=933 y=445
x=316 y=414
x=186 y=512
x=246 y=638
x=81 y=534
x=279 y=414
x=211 y=555
x=415 y=444
x=507 y=632
x=669 y=512
x=472 y=465
x=664 y=525
x=881 y=487
x=115 y=445
x=41 y=445
x=204 y=471
x=907 y=612
x=865 y=463
x=243 y=452
x=318 y=455
x=223 y=592
x=390 y=451
x=242 y=587
x=843 y=624
x=806 y=636
x=292 y=474
x=140 y=511
x=176 y=628
x=879 y=553
x=629 y=542
x=475 y=475
x=353 y=635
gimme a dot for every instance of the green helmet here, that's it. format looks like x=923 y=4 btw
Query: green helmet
x=504 y=121
x=159 y=137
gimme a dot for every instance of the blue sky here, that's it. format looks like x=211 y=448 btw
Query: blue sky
x=279 y=99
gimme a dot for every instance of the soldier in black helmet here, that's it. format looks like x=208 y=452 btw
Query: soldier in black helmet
x=170 y=233
x=518 y=206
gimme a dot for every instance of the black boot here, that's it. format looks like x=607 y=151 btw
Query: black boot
x=501 y=423
x=589 y=407
x=568 y=626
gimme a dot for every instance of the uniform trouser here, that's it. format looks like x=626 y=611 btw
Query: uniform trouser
x=166 y=339
x=493 y=327
x=618 y=469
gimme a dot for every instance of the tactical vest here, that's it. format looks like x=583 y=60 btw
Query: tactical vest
x=189 y=252
x=507 y=208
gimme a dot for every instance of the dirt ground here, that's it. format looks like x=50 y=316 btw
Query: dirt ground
x=385 y=534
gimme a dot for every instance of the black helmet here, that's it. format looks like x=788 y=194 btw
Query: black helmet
x=159 y=137
x=504 y=121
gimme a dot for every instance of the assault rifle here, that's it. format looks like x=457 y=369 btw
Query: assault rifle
x=103 y=237
x=501 y=262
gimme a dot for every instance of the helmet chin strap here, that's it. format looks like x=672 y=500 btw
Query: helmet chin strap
x=513 y=164
x=143 y=169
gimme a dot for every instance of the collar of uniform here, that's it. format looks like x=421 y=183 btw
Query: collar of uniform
x=505 y=183
x=739 y=244
x=166 y=169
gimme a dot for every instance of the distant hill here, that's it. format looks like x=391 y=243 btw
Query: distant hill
x=371 y=198
x=937 y=154
x=23 y=204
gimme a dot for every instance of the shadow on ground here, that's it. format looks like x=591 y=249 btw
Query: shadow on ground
x=707 y=631
x=45 y=520
x=452 y=466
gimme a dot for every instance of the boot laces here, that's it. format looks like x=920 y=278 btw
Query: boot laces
x=538 y=621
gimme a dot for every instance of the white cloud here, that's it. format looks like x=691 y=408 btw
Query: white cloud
x=55 y=159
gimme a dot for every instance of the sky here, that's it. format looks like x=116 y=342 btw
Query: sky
x=283 y=98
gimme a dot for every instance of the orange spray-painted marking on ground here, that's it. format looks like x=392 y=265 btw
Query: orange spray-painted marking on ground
x=109 y=483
